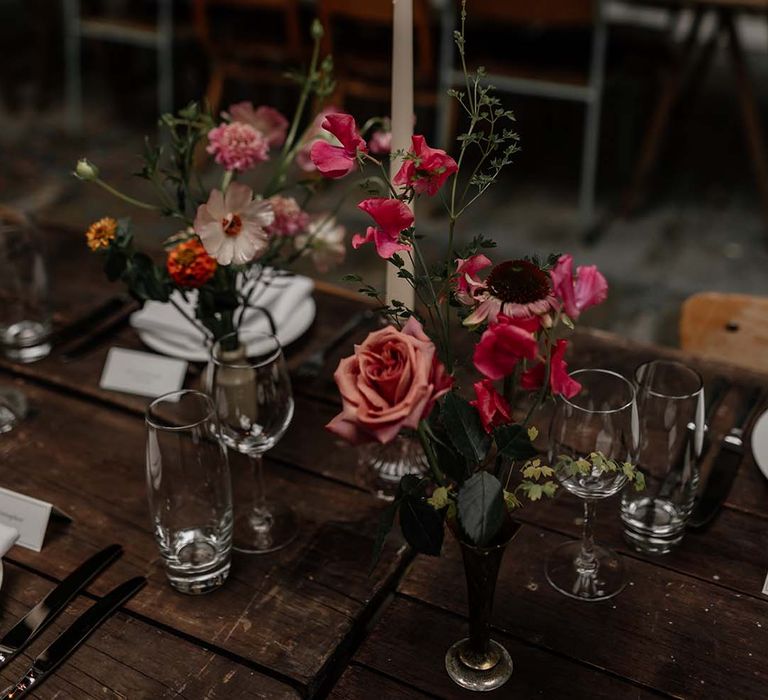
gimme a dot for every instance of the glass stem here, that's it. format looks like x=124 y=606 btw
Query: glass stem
x=586 y=560
x=260 y=515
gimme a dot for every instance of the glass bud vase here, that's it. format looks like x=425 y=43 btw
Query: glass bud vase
x=478 y=662
x=380 y=467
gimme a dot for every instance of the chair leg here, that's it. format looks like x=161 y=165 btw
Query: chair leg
x=752 y=127
x=74 y=88
x=165 y=56
x=660 y=119
x=215 y=89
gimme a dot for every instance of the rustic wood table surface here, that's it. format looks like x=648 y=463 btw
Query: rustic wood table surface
x=310 y=621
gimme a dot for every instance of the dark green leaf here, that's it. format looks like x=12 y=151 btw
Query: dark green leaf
x=512 y=442
x=464 y=428
x=422 y=525
x=481 y=507
x=115 y=264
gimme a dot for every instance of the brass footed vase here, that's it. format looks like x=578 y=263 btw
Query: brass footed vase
x=478 y=662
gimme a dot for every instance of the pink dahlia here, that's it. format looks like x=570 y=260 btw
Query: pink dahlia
x=290 y=218
x=237 y=146
x=515 y=288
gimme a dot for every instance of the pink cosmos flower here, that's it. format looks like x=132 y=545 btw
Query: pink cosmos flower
x=272 y=125
x=426 y=169
x=559 y=380
x=390 y=383
x=290 y=218
x=493 y=408
x=588 y=289
x=380 y=142
x=314 y=132
x=515 y=288
x=466 y=281
x=323 y=242
x=237 y=146
x=504 y=344
x=392 y=217
x=232 y=226
x=337 y=161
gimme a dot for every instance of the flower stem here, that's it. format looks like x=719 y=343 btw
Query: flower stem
x=125 y=197
x=437 y=473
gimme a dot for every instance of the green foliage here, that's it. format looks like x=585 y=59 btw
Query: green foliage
x=481 y=509
x=513 y=441
x=464 y=429
x=597 y=463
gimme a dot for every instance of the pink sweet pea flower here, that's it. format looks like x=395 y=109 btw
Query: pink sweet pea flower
x=267 y=120
x=493 y=408
x=338 y=161
x=559 y=380
x=427 y=168
x=392 y=217
x=314 y=132
x=588 y=289
x=466 y=280
x=503 y=344
x=390 y=383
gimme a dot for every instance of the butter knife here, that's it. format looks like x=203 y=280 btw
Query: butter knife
x=72 y=637
x=39 y=617
x=726 y=466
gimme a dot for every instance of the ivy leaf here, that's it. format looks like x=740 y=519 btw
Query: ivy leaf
x=514 y=442
x=464 y=428
x=481 y=507
x=422 y=525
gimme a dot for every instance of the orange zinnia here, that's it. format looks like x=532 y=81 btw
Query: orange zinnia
x=101 y=233
x=189 y=265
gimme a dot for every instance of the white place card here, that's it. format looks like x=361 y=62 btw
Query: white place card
x=142 y=373
x=28 y=515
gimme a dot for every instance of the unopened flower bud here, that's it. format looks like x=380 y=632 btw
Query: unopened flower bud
x=86 y=170
x=317 y=29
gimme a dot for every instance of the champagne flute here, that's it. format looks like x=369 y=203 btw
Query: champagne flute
x=599 y=424
x=250 y=385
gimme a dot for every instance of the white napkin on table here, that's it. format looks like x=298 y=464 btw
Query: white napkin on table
x=280 y=295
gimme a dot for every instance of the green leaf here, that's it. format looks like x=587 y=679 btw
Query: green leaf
x=464 y=429
x=514 y=442
x=481 y=507
x=439 y=498
x=115 y=264
x=422 y=525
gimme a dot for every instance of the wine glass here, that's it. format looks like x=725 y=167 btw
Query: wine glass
x=250 y=385
x=599 y=423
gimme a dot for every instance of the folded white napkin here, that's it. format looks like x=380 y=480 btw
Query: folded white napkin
x=8 y=537
x=280 y=295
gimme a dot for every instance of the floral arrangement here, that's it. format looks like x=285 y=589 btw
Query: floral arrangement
x=229 y=236
x=514 y=316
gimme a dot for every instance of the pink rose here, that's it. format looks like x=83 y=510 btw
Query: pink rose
x=504 y=344
x=390 y=383
x=493 y=408
x=426 y=169
x=338 y=161
x=467 y=281
x=559 y=380
x=267 y=120
x=588 y=289
x=392 y=217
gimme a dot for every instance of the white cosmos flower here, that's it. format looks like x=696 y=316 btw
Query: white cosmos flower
x=323 y=242
x=231 y=225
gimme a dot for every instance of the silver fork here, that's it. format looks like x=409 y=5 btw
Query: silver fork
x=313 y=365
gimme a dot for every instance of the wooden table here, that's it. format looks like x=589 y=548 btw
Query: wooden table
x=310 y=621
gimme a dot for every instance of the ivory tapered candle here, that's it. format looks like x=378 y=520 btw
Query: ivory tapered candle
x=402 y=120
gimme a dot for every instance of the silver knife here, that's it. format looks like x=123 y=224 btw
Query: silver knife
x=725 y=467
x=38 y=618
x=72 y=637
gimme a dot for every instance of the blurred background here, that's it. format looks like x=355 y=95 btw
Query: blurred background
x=641 y=123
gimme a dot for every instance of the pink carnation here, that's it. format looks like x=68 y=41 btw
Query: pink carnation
x=267 y=120
x=290 y=218
x=237 y=146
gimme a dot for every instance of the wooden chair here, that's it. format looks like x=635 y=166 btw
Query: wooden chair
x=254 y=56
x=528 y=78
x=729 y=327
x=363 y=60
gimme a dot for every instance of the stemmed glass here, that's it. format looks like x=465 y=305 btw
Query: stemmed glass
x=600 y=422
x=250 y=385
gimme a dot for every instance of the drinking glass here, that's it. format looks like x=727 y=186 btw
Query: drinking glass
x=250 y=385
x=25 y=319
x=670 y=400
x=601 y=418
x=13 y=407
x=190 y=497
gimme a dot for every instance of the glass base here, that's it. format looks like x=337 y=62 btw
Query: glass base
x=13 y=407
x=601 y=580
x=198 y=568
x=654 y=525
x=380 y=467
x=265 y=529
x=488 y=673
